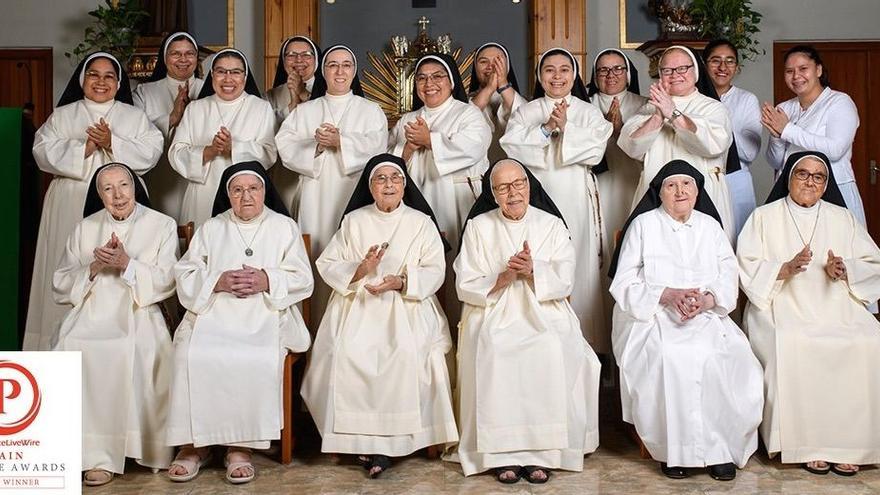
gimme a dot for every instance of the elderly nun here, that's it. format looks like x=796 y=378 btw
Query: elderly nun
x=240 y=281
x=116 y=268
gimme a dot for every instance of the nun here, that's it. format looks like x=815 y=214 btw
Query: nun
x=528 y=381
x=164 y=97
x=684 y=120
x=809 y=269
x=240 y=281
x=295 y=73
x=93 y=124
x=689 y=382
x=377 y=384
x=561 y=138
x=228 y=123
x=327 y=140
x=722 y=62
x=444 y=142
x=116 y=268
x=494 y=90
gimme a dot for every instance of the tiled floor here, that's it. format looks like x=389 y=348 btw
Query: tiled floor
x=614 y=469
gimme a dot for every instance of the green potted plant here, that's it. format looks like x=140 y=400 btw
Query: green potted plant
x=115 y=30
x=731 y=19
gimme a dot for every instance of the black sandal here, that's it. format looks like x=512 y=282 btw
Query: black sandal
x=516 y=470
x=819 y=471
x=841 y=472
x=383 y=462
x=364 y=460
x=531 y=470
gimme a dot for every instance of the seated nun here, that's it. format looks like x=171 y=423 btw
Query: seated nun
x=240 y=281
x=377 y=383
x=809 y=269
x=116 y=268
x=528 y=381
x=689 y=382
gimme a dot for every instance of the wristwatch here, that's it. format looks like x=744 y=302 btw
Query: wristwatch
x=675 y=114
x=503 y=88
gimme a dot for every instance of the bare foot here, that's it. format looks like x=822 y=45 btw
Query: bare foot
x=234 y=455
x=187 y=453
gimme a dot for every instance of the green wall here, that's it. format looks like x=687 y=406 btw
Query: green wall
x=10 y=167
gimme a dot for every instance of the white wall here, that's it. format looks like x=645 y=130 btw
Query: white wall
x=783 y=20
x=60 y=24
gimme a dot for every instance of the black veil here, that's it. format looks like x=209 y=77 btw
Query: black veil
x=74 y=91
x=271 y=199
x=93 y=201
x=458 y=89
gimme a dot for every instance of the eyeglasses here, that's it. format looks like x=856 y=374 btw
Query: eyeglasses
x=238 y=191
x=227 y=72
x=92 y=75
x=518 y=184
x=300 y=55
x=176 y=54
x=681 y=69
x=435 y=78
x=383 y=179
x=333 y=66
x=717 y=61
x=616 y=70
x=817 y=178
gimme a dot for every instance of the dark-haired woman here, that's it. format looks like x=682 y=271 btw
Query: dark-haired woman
x=228 y=123
x=818 y=118
x=494 y=90
x=93 y=124
x=722 y=62
x=164 y=98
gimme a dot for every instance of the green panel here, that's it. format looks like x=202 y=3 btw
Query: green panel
x=10 y=167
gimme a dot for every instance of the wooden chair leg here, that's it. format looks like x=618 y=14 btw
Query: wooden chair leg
x=643 y=451
x=287 y=438
x=434 y=451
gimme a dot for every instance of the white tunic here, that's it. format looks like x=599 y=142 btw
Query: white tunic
x=156 y=99
x=328 y=179
x=251 y=123
x=829 y=125
x=528 y=382
x=59 y=149
x=497 y=117
x=279 y=98
x=116 y=323
x=745 y=115
x=449 y=173
x=377 y=381
x=706 y=149
x=229 y=351
x=285 y=181
x=815 y=338
x=693 y=390
x=563 y=165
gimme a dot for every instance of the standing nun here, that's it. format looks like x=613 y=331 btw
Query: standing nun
x=327 y=141
x=228 y=123
x=173 y=84
x=298 y=62
x=684 y=120
x=93 y=124
x=494 y=90
x=561 y=138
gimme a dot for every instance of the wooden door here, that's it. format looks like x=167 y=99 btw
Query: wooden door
x=853 y=68
x=283 y=19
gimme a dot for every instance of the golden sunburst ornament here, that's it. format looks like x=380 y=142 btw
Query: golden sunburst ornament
x=390 y=82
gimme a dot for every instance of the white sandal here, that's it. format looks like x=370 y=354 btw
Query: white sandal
x=237 y=480
x=107 y=477
x=192 y=467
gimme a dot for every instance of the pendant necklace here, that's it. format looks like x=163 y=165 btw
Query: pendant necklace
x=247 y=245
x=798 y=229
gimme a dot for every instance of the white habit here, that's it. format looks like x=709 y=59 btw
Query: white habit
x=285 y=181
x=156 y=99
x=528 y=382
x=115 y=321
x=817 y=341
x=564 y=166
x=449 y=173
x=377 y=381
x=59 y=149
x=328 y=179
x=252 y=125
x=229 y=351
x=829 y=125
x=705 y=150
x=693 y=389
x=745 y=115
x=497 y=117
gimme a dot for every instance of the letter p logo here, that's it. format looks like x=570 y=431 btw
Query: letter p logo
x=14 y=390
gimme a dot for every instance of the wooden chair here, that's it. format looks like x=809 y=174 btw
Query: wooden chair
x=185 y=235
x=171 y=306
x=289 y=385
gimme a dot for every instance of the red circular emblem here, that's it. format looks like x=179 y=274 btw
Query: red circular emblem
x=10 y=390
